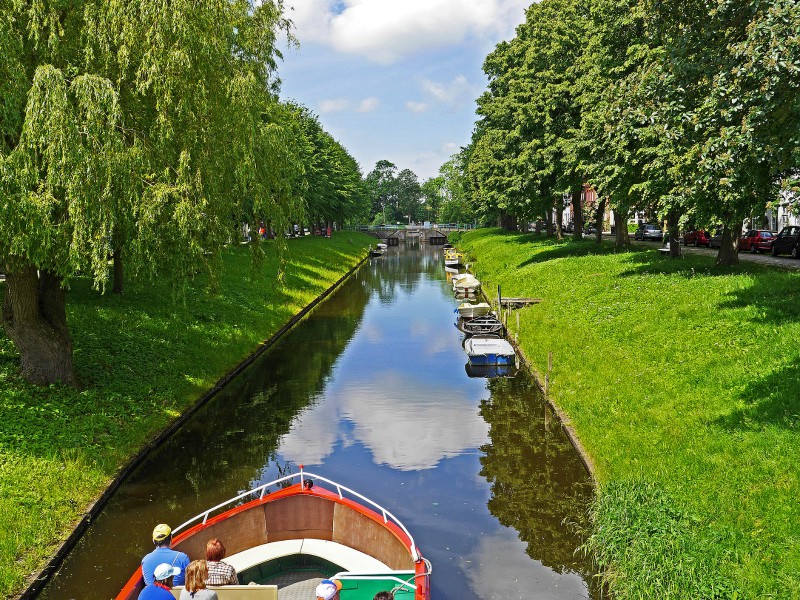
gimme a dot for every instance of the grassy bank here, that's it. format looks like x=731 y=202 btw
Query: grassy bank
x=682 y=381
x=142 y=359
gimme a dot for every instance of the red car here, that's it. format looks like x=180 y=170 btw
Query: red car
x=697 y=237
x=757 y=240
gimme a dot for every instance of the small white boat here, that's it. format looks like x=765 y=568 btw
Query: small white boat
x=489 y=351
x=381 y=246
x=466 y=283
x=468 y=310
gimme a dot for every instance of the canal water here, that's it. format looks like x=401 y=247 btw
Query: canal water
x=371 y=390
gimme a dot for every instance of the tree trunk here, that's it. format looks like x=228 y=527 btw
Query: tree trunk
x=560 y=219
x=577 y=213
x=600 y=218
x=35 y=318
x=622 y=238
x=729 y=246
x=550 y=224
x=673 y=231
x=119 y=274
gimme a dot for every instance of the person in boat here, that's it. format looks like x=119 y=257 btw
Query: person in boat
x=162 y=538
x=328 y=589
x=161 y=587
x=219 y=573
x=195 y=586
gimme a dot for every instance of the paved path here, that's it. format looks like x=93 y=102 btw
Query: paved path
x=784 y=262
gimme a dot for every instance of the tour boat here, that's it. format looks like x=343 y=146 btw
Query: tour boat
x=469 y=311
x=283 y=538
x=489 y=351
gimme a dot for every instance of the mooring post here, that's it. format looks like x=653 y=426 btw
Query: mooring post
x=547 y=377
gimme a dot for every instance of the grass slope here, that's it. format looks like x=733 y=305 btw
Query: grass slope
x=143 y=358
x=682 y=381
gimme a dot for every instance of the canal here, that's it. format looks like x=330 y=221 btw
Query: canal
x=371 y=391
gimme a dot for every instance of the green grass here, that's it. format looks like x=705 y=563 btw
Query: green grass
x=142 y=359
x=682 y=381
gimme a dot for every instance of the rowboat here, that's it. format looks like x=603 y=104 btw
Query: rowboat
x=466 y=282
x=489 y=351
x=484 y=324
x=452 y=257
x=284 y=537
x=469 y=311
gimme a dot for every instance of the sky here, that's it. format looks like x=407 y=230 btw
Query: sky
x=395 y=79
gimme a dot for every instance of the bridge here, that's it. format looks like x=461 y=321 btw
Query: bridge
x=434 y=235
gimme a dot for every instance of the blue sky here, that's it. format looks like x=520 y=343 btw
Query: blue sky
x=395 y=79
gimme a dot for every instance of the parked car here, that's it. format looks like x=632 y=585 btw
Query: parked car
x=715 y=241
x=756 y=240
x=786 y=241
x=590 y=229
x=697 y=237
x=648 y=231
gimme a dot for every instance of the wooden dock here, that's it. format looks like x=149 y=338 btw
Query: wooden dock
x=518 y=302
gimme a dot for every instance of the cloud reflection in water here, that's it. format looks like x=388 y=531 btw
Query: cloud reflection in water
x=406 y=424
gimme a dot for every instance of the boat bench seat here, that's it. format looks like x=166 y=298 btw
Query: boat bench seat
x=347 y=558
x=239 y=592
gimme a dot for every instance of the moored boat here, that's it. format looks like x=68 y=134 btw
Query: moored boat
x=466 y=282
x=452 y=257
x=489 y=351
x=468 y=310
x=282 y=543
x=480 y=325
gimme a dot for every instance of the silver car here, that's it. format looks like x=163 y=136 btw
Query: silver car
x=648 y=231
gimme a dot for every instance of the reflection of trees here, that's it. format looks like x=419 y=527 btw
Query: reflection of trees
x=401 y=270
x=539 y=485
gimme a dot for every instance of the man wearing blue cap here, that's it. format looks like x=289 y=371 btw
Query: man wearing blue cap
x=162 y=538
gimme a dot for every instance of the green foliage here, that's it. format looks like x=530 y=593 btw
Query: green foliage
x=142 y=359
x=682 y=383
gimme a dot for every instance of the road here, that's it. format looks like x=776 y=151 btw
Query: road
x=784 y=262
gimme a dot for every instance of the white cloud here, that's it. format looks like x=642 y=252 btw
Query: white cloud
x=453 y=94
x=416 y=107
x=385 y=31
x=333 y=105
x=368 y=105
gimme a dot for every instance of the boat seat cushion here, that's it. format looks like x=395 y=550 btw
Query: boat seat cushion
x=339 y=554
x=239 y=592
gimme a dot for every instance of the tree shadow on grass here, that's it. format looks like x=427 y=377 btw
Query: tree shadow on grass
x=772 y=400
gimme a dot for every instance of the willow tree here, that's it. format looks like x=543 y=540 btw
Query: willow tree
x=145 y=126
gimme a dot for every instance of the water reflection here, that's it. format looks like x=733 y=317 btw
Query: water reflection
x=534 y=490
x=371 y=391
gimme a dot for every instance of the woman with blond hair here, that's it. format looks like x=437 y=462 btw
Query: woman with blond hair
x=195 y=586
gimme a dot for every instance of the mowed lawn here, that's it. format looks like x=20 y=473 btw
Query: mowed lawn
x=142 y=358
x=682 y=381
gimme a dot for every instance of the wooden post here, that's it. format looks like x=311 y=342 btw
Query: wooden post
x=547 y=377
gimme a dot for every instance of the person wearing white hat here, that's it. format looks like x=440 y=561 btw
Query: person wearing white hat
x=162 y=538
x=161 y=589
x=329 y=589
